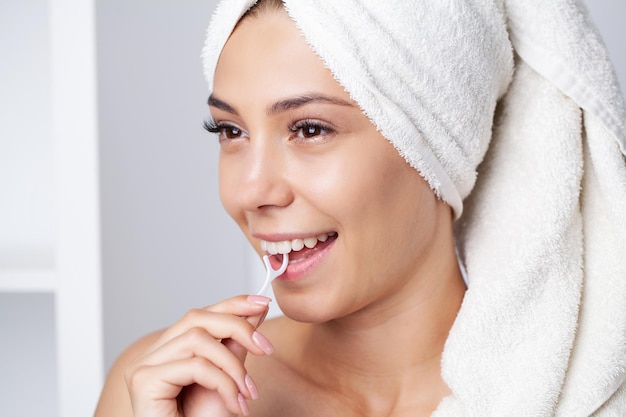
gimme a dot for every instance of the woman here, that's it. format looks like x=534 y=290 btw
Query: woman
x=351 y=133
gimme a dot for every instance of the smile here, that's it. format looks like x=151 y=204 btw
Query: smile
x=295 y=245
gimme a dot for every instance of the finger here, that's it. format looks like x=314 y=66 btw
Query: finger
x=238 y=350
x=219 y=326
x=197 y=342
x=257 y=321
x=241 y=305
x=199 y=402
x=158 y=386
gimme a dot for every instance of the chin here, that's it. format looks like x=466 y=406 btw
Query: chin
x=304 y=311
x=307 y=308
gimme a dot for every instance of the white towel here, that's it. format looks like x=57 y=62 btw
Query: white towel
x=511 y=112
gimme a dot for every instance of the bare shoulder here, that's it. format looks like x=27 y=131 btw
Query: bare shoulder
x=114 y=399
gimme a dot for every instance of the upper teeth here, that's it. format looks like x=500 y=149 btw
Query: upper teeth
x=286 y=246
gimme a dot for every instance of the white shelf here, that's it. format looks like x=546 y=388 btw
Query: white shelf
x=19 y=280
x=27 y=269
x=49 y=225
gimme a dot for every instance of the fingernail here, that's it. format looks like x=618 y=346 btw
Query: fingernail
x=259 y=300
x=262 y=342
x=243 y=405
x=254 y=392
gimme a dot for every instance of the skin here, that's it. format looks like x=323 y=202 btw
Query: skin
x=365 y=327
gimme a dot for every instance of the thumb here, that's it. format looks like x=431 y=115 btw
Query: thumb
x=239 y=351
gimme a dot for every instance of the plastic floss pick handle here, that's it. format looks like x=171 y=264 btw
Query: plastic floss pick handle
x=271 y=273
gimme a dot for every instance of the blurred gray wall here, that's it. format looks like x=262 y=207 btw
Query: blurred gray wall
x=167 y=243
x=609 y=16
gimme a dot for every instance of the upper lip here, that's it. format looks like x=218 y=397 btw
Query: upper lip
x=280 y=237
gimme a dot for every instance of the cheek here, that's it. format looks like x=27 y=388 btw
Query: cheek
x=392 y=209
x=363 y=183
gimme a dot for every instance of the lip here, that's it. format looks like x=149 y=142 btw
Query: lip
x=278 y=237
x=297 y=270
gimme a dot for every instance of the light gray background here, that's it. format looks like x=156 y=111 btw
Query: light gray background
x=27 y=336
x=167 y=245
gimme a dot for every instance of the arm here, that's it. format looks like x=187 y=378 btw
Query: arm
x=114 y=398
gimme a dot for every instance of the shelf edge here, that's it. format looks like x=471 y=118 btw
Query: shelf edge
x=21 y=281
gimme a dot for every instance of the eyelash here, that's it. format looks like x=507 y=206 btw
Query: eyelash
x=320 y=129
x=302 y=125
x=210 y=126
x=220 y=128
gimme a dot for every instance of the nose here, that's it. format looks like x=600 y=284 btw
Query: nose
x=264 y=181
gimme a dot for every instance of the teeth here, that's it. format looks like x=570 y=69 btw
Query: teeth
x=310 y=242
x=296 y=245
x=284 y=247
x=272 y=248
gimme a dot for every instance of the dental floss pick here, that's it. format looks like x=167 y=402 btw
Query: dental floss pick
x=271 y=273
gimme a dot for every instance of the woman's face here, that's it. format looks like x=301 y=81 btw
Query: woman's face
x=299 y=160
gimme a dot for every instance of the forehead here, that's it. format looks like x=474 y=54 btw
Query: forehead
x=266 y=57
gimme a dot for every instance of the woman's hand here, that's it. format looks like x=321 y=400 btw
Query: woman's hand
x=196 y=367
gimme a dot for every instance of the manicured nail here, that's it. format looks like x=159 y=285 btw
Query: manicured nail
x=263 y=343
x=259 y=300
x=243 y=405
x=254 y=392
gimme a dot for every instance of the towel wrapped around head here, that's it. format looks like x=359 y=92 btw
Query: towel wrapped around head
x=511 y=112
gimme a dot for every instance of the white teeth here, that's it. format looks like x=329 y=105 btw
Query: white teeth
x=296 y=245
x=272 y=248
x=284 y=247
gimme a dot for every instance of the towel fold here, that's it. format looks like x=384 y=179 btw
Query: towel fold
x=511 y=111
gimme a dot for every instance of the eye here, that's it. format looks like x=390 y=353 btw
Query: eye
x=224 y=130
x=308 y=129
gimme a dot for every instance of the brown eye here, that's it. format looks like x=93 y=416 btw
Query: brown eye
x=231 y=132
x=224 y=131
x=310 y=129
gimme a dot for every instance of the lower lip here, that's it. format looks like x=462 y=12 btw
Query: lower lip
x=297 y=270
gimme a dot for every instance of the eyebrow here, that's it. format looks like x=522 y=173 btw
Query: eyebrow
x=299 y=101
x=222 y=105
x=284 y=105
